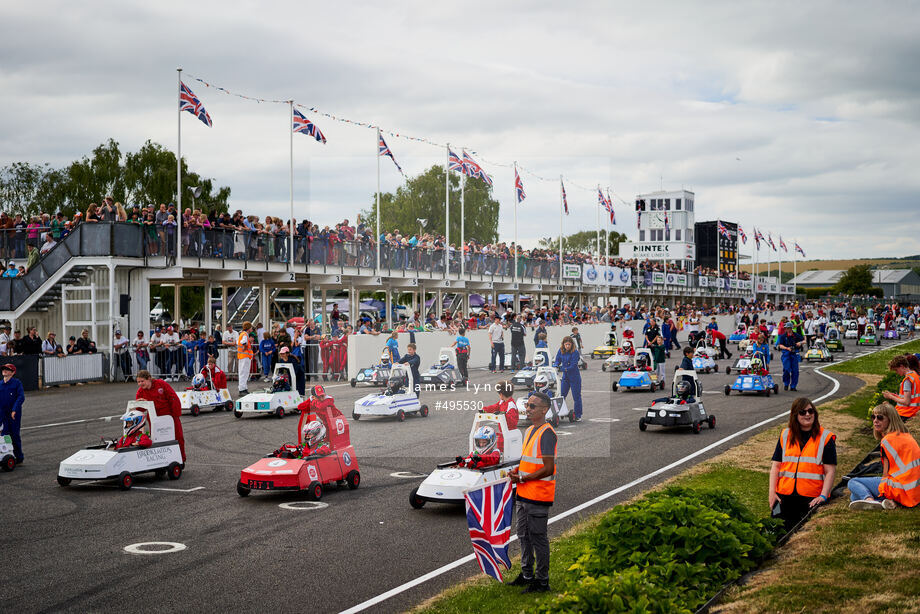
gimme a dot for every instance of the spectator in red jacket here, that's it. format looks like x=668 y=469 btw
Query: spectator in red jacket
x=719 y=337
x=165 y=400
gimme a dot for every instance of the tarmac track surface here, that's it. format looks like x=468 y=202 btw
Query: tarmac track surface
x=64 y=547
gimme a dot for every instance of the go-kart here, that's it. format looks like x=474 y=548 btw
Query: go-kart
x=271 y=401
x=376 y=375
x=195 y=400
x=851 y=330
x=449 y=480
x=638 y=377
x=674 y=411
x=524 y=377
x=832 y=339
x=869 y=337
x=704 y=357
x=441 y=377
x=739 y=335
x=623 y=359
x=761 y=383
x=819 y=351
x=282 y=470
x=608 y=349
x=558 y=407
x=903 y=326
x=7 y=459
x=397 y=401
x=103 y=461
x=891 y=333
x=743 y=362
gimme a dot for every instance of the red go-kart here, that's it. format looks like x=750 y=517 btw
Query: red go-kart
x=280 y=470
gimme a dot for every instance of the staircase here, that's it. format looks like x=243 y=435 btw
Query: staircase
x=75 y=276
x=243 y=306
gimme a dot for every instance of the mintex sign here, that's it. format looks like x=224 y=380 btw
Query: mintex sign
x=658 y=251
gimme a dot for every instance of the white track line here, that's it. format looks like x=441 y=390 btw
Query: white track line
x=44 y=426
x=578 y=508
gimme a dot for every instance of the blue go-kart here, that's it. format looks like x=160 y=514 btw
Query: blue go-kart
x=748 y=381
x=739 y=335
x=641 y=375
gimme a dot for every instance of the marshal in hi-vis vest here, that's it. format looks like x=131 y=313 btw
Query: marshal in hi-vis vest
x=543 y=489
x=801 y=470
x=903 y=481
x=913 y=400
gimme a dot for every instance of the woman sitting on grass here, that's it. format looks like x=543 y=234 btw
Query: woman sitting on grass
x=900 y=481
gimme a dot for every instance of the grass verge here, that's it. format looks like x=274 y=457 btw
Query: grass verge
x=843 y=549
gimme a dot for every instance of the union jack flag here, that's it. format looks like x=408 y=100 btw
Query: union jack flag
x=783 y=244
x=667 y=227
x=742 y=235
x=305 y=126
x=188 y=101
x=519 y=187
x=639 y=219
x=722 y=229
x=770 y=241
x=488 y=515
x=474 y=170
x=454 y=163
x=613 y=217
x=757 y=237
x=565 y=201
x=799 y=249
x=384 y=150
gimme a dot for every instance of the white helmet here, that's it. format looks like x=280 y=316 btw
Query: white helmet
x=485 y=439
x=134 y=421
x=539 y=360
x=312 y=433
x=540 y=382
x=198 y=382
x=443 y=359
x=385 y=358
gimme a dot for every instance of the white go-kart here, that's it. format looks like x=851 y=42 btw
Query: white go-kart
x=445 y=375
x=558 y=409
x=397 y=401
x=195 y=400
x=448 y=481
x=103 y=462
x=622 y=360
x=271 y=401
x=7 y=459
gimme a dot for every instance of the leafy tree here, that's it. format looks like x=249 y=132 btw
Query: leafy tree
x=19 y=185
x=585 y=241
x=150 y=179
x=422 y=197
x=856 y=280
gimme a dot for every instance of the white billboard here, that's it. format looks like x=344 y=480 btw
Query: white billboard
x=658 y=251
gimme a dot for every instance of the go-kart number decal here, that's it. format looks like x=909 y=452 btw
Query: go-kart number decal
x=260 y=484
x=346 y=458
x=85 y=457
x=450 y=475
x=225 y=394
x=311 y=471
x=277 y=463
x=339 y=426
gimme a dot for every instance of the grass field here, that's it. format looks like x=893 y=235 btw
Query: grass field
x=833 y=265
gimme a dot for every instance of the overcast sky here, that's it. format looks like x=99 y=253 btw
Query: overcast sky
x=800 y=118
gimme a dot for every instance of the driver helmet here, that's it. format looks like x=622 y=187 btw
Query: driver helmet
x=281 y=383
x=485 y=439
x=539 y=360
x=318 y=392
x=134 y=421
x=312 y=433
x=683 y=389
x=198 y=382
x=756 y=364
x=541 y=383
x=395 y=383
x=627 y=345
x=641 y=361
x=443 y=359
x=385 y=358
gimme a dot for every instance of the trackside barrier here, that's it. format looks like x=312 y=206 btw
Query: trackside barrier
x=74 y=369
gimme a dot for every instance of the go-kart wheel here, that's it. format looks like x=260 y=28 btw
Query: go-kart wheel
x=708 y=370
x=712 y=422
x=775 y=388
x=728 y=370
x=228 y=406
x=125 y=480
x=315 y=491
x=401 y=416
x=174 y=471
x=661 y=385
x=642 y=424
x=61 y=480
x=353 y=479
x=583 y=366
x=571 y=416
x=423 y=411
x=415 y=501
x=767 y=391
x=614 y=386
x=831 y=359
x=9 y=463
x=728 y=390
x=195 y=410
x=237 y=413
x=604 y=367
x=279 y=412
x=160 y=473
x=355 y=416
x=555 y=422
x=353 y=382
x=697 y=427
x=242 y=490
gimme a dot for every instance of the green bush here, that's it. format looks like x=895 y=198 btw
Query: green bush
x=686 y=543
x=892 y=383
x=630 y=591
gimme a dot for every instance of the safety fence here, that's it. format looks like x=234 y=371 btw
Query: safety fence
x=74 y=369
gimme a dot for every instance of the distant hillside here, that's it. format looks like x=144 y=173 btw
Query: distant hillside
x=834 y=265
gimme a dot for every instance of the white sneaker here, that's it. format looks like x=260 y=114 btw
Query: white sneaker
x=889 y=504
x=866 y=504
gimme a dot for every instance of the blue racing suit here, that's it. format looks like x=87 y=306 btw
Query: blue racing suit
x=571 y=377
x=790 y=359
x=11 y=400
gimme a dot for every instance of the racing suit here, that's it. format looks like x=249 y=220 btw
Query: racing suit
x=167 y=403
x=475 y=460
x=320 y=449
x=571 y=378
x=507 y=407
x=140 y=440
x=216 y=379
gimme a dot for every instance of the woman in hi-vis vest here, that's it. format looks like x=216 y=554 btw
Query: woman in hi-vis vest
x=804 y=464
x=900 y=481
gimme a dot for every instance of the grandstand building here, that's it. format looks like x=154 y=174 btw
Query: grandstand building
x=895 y=283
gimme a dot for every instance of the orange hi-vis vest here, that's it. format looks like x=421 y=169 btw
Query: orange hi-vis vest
x=243 y=348
x=913 y=400
x=543 y=489
x=902 y=483
x=801 y=470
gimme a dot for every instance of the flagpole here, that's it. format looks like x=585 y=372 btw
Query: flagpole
x=178 y=173
x=293 y=223
x=446 y=216
x=462 y=215
x=607 y=240
x=561 y=208
x=597 y=232
x=377 y=148
x=514 y=188
x=795 y=261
